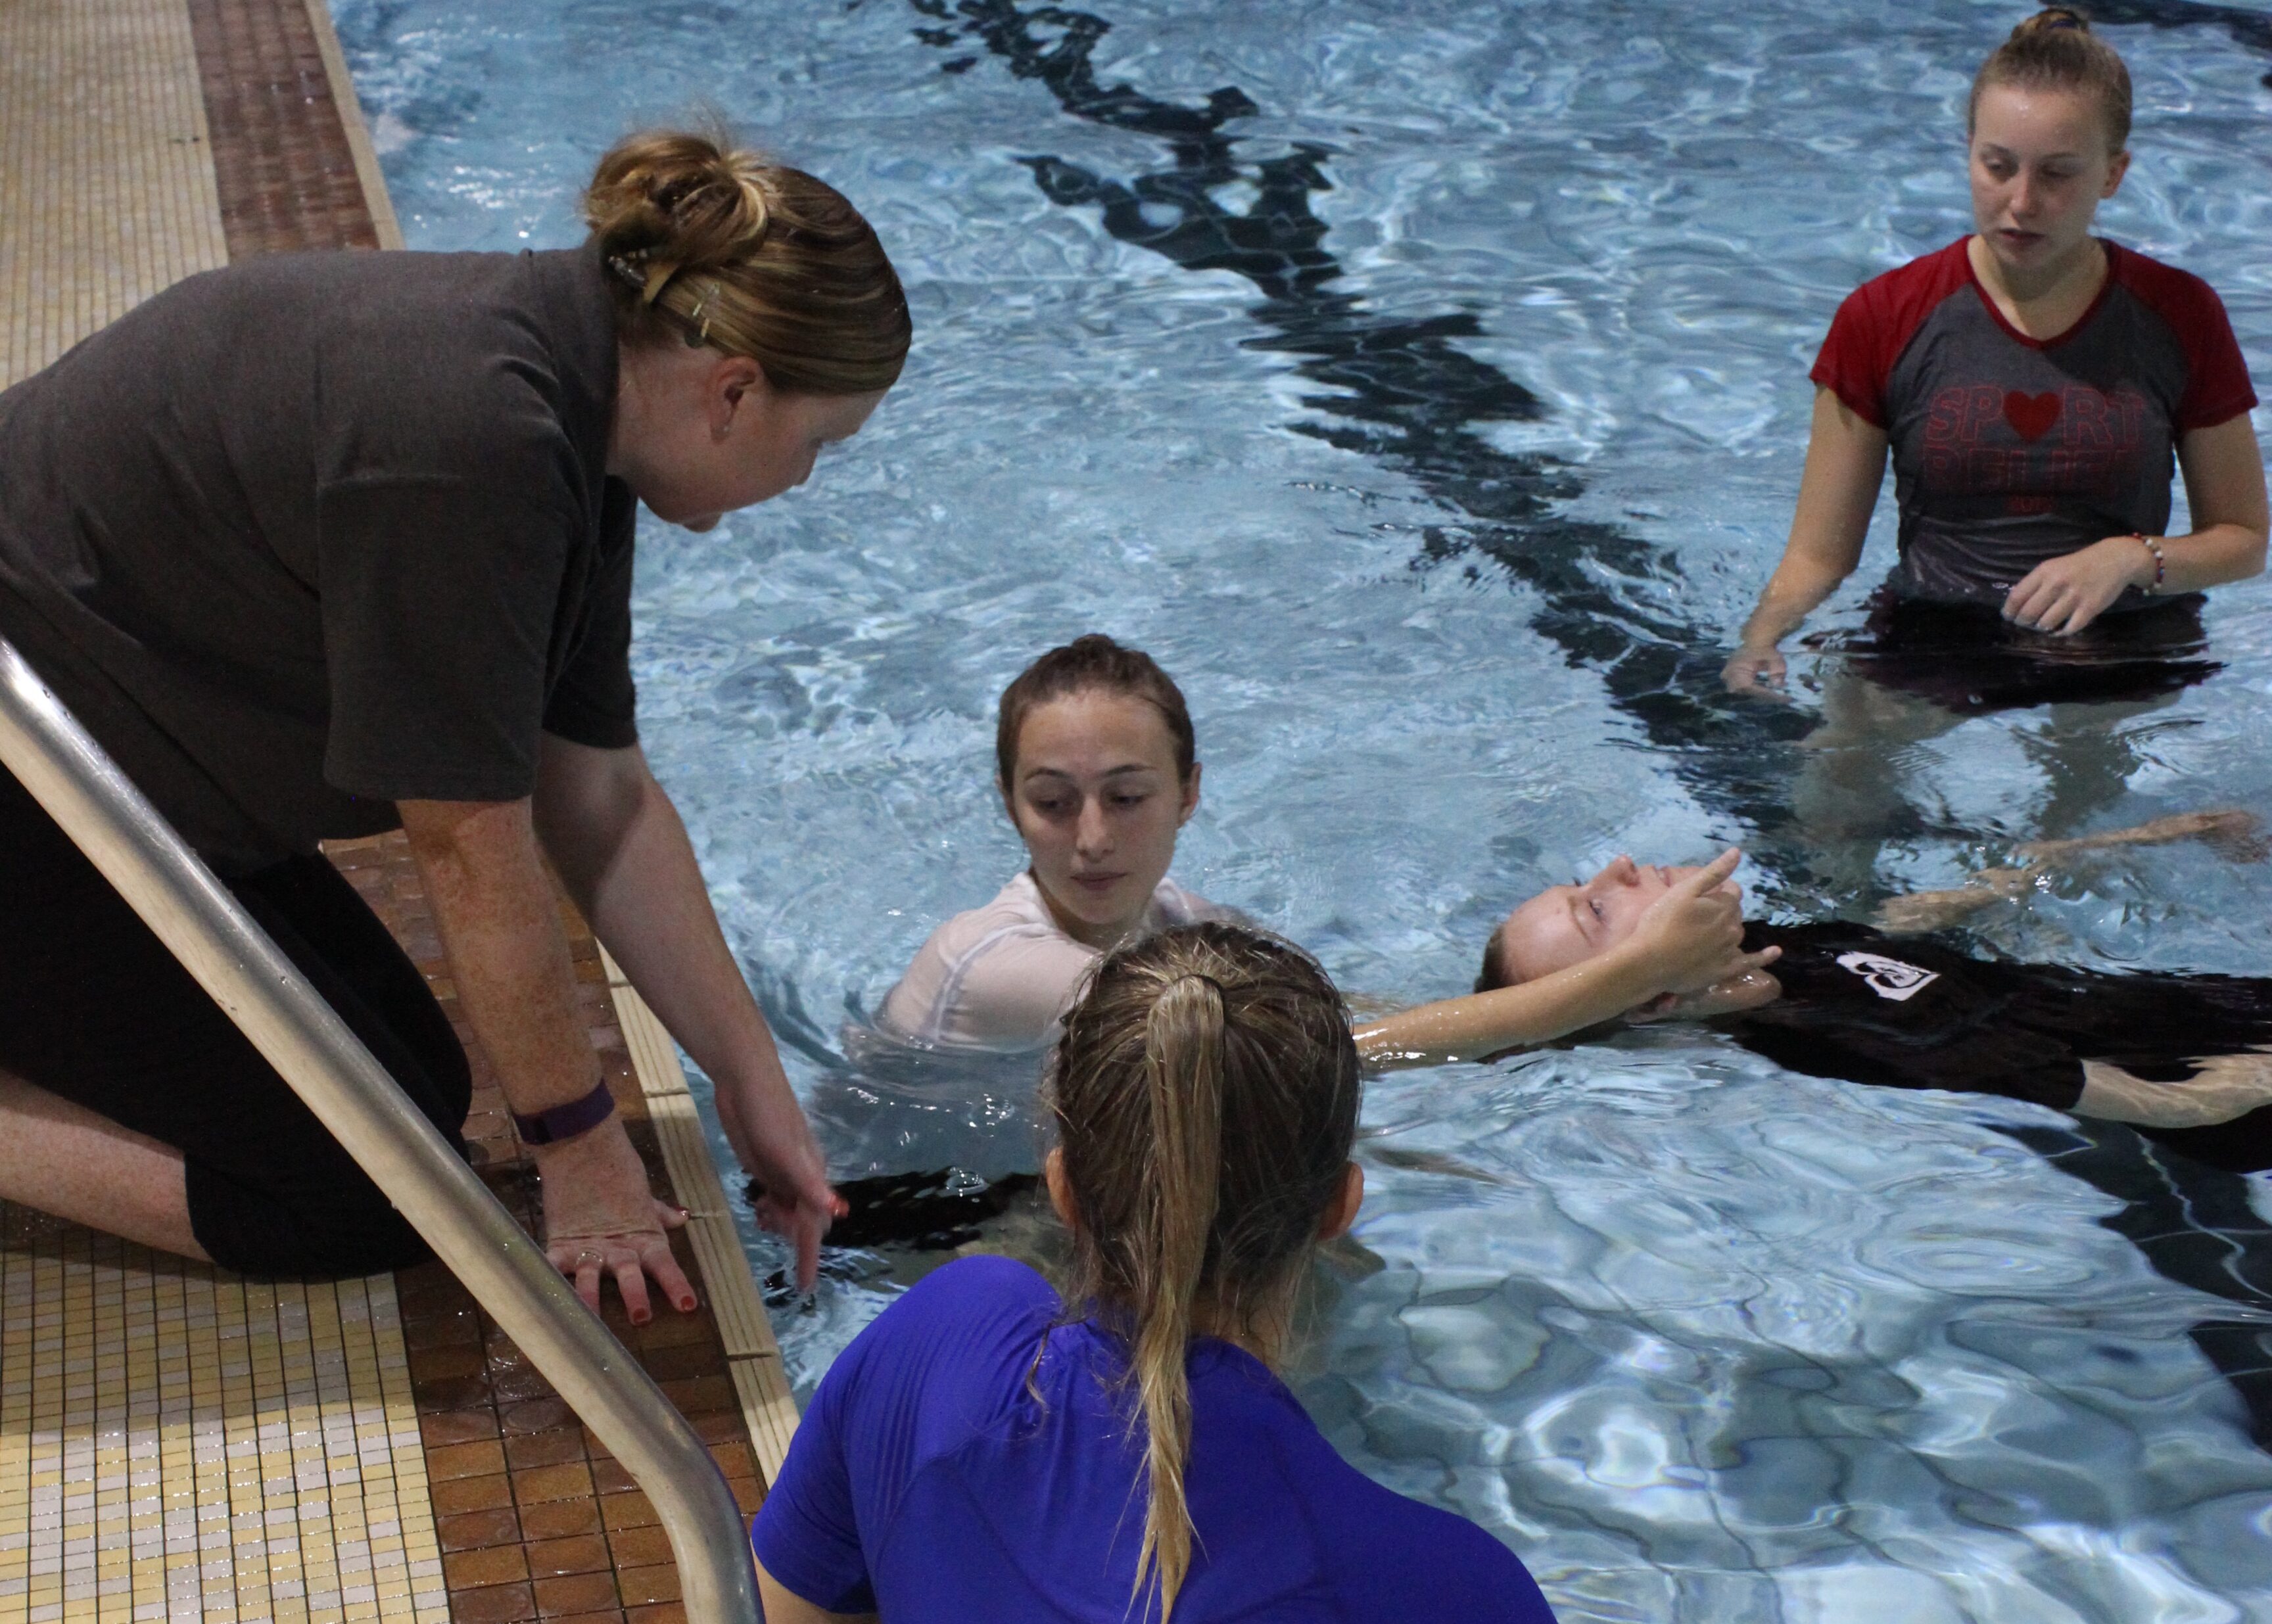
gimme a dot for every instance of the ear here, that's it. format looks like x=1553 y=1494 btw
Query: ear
x=1053 y=1174
x=1191 y=797
x=1340 y=1212
x=735 y=382
x=2115 y=171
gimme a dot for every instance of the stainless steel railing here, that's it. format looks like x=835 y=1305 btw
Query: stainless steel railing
x=329 y=1067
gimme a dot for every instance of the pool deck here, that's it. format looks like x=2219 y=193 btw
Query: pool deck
x=177 y=1442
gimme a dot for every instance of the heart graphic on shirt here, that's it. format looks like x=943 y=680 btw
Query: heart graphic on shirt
x=2031 y=416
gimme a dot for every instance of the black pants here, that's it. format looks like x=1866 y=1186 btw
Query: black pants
x=1970 y=660
x=95 y=1009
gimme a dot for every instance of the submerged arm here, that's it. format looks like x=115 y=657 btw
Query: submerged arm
x=2231 y=830
x=1845 y=465
x=2224 y=1086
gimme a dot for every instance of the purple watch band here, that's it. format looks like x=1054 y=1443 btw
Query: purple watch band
x=578 y=1116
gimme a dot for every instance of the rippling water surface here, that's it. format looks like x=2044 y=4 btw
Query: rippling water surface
x=1431 y=404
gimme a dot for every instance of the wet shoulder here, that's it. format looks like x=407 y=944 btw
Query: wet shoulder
x=989 y=978
x=1893 y=304
x=1876 y=325
x=1173 y=904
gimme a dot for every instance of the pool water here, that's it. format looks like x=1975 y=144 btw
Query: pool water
x=1424 y=383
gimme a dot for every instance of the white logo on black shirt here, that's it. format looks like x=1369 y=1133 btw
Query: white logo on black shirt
x=1888 y=977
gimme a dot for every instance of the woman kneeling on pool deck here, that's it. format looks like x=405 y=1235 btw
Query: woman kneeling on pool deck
x=984 y=1450
x=2181 y=1057
x=1097 y=763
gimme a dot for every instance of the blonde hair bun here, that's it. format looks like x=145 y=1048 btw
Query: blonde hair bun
x=712 y=243
x=2049 y=17
x=2055 y=49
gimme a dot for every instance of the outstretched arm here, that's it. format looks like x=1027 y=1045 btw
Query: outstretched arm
x=624 y=855
x=1690 y=937
x=2232 y=830
x=1845 y=465
x=494 y=905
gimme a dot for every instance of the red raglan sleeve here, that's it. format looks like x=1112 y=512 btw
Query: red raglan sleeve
x=1875 y=325
x=2217 y=388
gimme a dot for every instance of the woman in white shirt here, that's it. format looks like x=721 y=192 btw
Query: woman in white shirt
x=1097 y=766
x=1096 y=763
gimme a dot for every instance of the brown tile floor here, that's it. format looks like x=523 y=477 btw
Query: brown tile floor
x=535 y=1519
x=282 y=157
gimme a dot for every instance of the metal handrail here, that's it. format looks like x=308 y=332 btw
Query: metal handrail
x=352 y=1095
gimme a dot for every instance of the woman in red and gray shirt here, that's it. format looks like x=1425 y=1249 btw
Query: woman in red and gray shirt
x=2034 y=385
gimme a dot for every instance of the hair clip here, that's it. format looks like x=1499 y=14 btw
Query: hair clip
x=700 y=323
x=658 y=278
x=630 y=272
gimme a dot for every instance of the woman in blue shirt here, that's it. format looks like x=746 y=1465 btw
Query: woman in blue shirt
x=981 y=1448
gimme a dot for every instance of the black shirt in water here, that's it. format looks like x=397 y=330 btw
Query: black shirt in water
x=1920 y=1012
x=304 y=537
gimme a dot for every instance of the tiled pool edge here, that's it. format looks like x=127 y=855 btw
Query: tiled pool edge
x=768 y=1405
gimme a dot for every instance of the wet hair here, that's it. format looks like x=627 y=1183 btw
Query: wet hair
x=1498 y=971
x=1205 y=1092
x=1093 y=664
x=2055 y=49
x=710 y=243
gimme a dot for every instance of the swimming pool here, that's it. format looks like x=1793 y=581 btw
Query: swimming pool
x=1430 y=403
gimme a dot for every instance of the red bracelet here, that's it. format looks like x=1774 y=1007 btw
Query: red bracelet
x=2161 y=564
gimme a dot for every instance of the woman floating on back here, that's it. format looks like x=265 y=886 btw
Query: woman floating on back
x=986 y=1450
x=2033 y=383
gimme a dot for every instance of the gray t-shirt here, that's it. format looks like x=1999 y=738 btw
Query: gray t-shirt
x=315 y=533
x=2009 y=450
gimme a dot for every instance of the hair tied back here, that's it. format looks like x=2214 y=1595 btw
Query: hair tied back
x=708 y=242
x=2055 y=49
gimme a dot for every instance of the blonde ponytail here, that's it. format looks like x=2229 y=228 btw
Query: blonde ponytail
x=1205 y=1094
x=1183 y=1066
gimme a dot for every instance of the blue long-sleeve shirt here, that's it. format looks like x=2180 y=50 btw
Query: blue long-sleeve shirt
x=969 y=1455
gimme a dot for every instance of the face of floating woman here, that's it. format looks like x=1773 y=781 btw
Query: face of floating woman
x=2040 y=170
x=1096 y=799
x=1569 y=923
x=706 y=434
